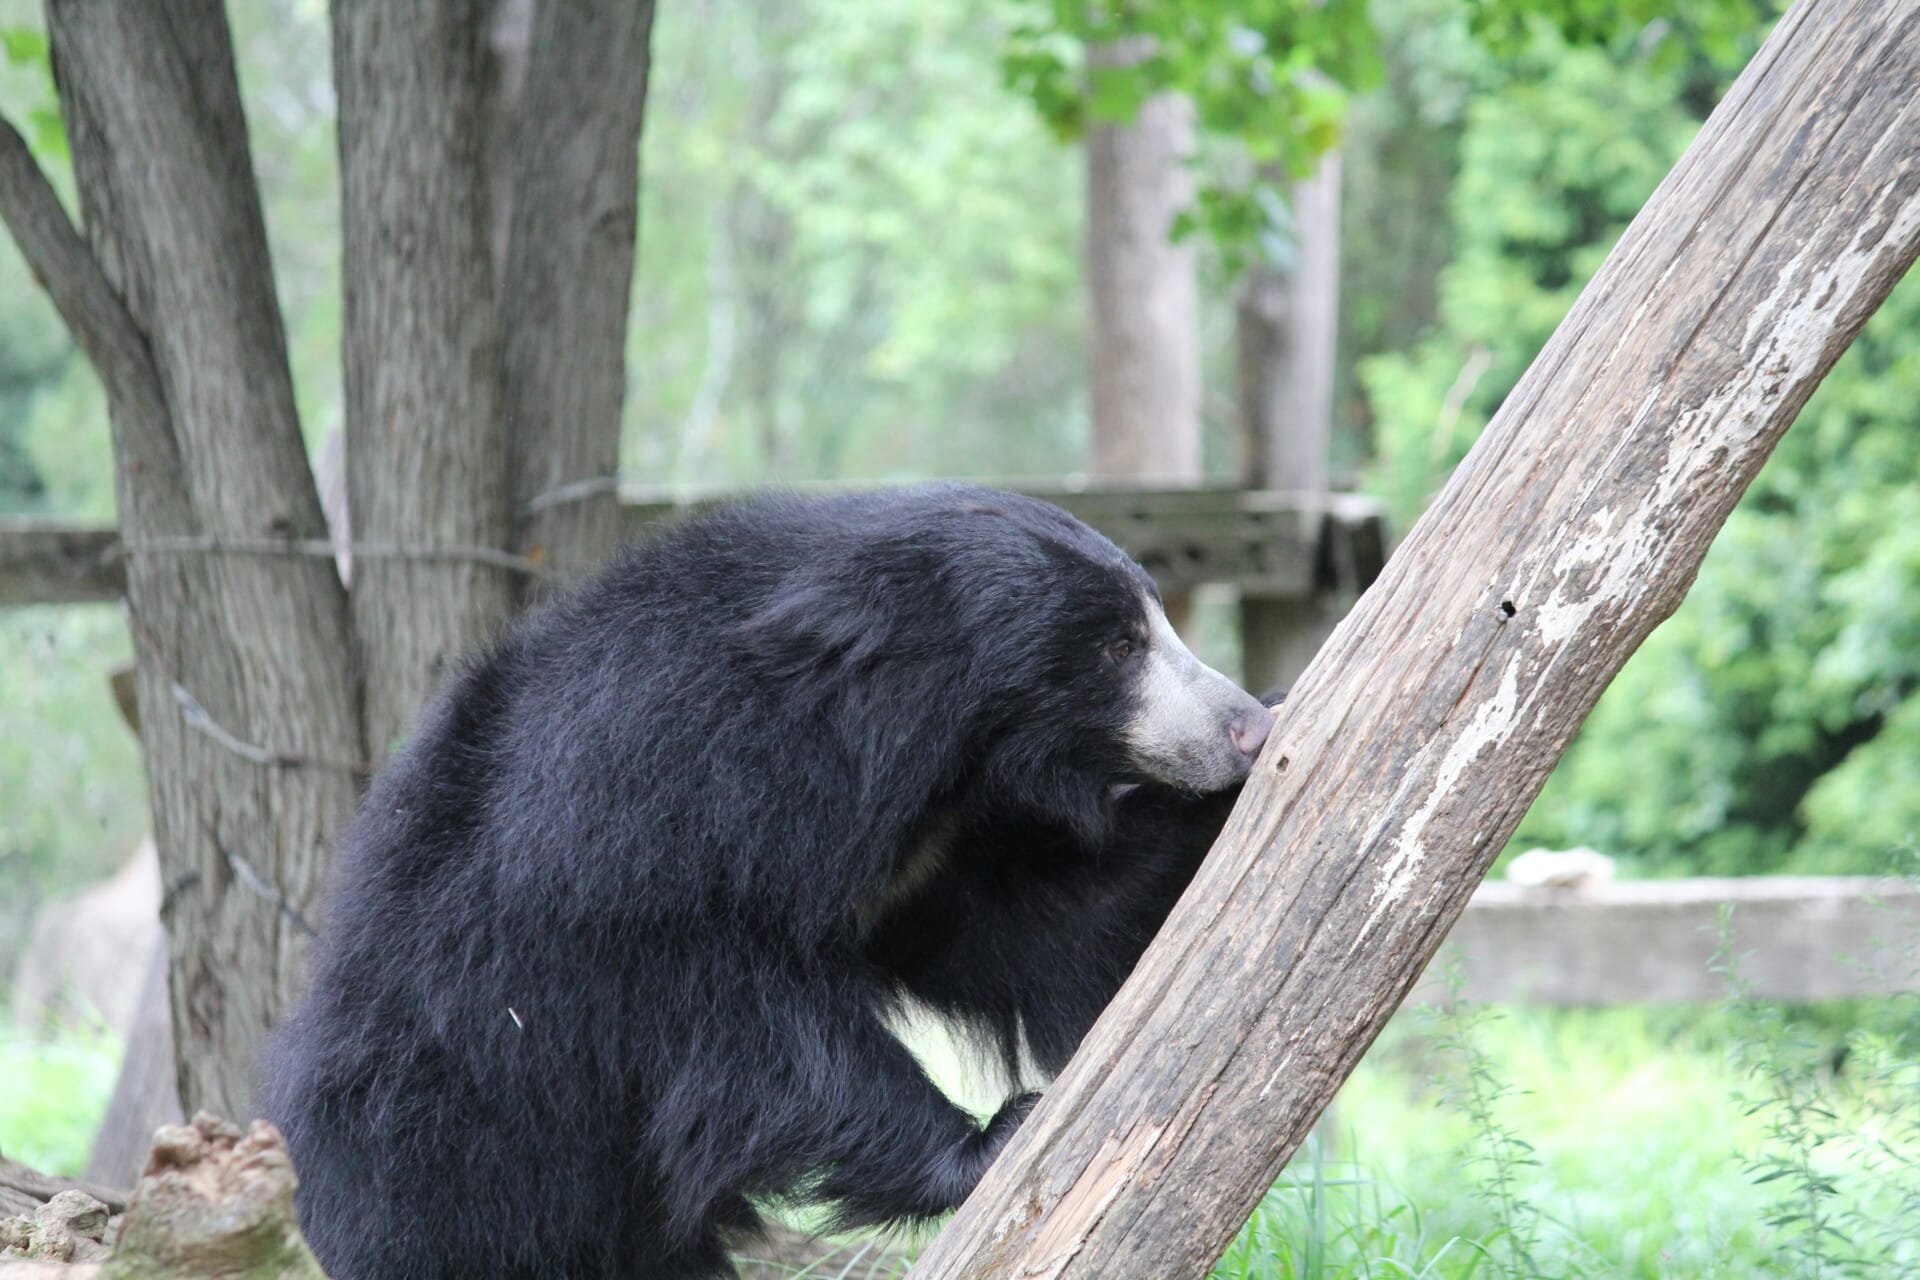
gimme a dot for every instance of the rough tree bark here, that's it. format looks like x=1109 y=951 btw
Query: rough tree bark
x=1143 y=333
x=1417 y=738
x=257 y=724
x=426 y=441
x=569 y=274
x=244 y=675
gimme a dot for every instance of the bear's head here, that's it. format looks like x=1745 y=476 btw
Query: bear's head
x=999 y=642
x=1092 y=688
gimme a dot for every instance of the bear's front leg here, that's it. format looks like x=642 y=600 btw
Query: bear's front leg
x=900 y=1149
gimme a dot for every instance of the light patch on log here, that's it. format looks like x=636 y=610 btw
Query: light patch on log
x=1065 y=1233
x=1286 y=1061
x=1797 y=318
x=1555 y=620
x=1491 y=725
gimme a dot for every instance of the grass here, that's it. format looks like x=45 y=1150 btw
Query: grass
x=1619 y=1143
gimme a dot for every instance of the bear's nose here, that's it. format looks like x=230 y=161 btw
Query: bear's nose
x=1249 y=729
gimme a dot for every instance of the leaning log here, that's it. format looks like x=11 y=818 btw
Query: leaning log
x=1422 y=731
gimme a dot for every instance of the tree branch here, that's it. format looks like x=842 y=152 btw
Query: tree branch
x=1418 y=737
x=65 y=267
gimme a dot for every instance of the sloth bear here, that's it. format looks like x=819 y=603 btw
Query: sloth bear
x=614 y=940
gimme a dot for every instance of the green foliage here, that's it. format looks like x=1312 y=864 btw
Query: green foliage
x=1838 y=1164
x=1556 y=156
x=1630 y=1154
x=25 y=48
x=1271 y=73
x=34 y=349
x=1269 y=79
x=1498 y=1154
x=1722 y=30
x=56 y=1091
x=857 y=258
x=1772 y=724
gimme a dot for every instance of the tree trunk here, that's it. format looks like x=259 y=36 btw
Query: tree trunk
x=427 y=452
x=1419 y=736
x=244 y=684
x=250 y=681
x=569 y=274
x=1143 y=331
x=1286 y=325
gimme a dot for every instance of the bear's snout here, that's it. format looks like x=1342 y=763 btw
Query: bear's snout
x=1248 y=730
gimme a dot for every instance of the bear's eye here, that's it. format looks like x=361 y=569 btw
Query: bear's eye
x=1122 y=649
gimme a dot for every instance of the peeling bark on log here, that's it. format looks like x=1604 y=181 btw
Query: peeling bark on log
x=214 y=1201
x=1417 y=738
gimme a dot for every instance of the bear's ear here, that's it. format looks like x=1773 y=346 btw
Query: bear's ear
x=811 y=620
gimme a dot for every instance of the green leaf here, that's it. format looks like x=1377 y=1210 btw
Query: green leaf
x=25 y=46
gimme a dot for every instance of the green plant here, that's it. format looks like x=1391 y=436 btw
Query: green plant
x=1478 y=1091
x=56 y=1090
x=1839 y=1148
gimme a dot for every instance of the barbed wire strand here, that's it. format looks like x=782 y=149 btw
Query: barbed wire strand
x=322 y=548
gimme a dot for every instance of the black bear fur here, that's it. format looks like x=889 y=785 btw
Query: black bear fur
x=613 y=942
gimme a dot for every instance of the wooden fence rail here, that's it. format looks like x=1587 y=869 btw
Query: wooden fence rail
x=58 y=562
x=1288 y=545
x=1633 y=941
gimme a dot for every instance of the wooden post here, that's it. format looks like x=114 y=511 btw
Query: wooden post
x=1286 y=324
x=1427 y=724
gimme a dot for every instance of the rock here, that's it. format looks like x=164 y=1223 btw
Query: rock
x=71 y=1227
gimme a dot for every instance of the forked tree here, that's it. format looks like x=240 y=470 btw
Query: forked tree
x=489 y=188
